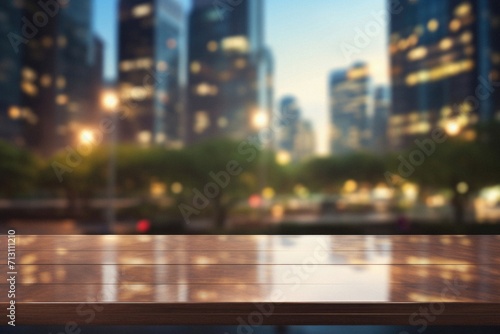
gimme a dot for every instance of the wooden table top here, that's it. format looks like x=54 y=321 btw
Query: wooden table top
x=272 y=280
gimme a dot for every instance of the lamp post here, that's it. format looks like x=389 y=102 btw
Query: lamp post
x=110 y=104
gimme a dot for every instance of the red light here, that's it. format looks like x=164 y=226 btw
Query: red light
x=255 y=201
x=143 y=226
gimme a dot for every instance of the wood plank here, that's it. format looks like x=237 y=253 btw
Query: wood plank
x=248 y=243
x=277 y=257
x=254 y=274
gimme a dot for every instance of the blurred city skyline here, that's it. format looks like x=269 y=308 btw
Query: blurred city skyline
x=305 y=39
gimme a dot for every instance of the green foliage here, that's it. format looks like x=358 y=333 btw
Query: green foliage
x=330 y=173
x=18 y=170
x=456 y=161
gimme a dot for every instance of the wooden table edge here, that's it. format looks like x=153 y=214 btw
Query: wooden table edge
x=256 y=314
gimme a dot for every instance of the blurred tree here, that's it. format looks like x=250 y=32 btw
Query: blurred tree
x=18 y=170
x=328 y=174
x=221 y=173
x=464 y=167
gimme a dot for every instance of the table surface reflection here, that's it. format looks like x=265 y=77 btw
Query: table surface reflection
x=182 y=280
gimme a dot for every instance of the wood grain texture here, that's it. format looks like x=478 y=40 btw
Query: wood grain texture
x=292 y=280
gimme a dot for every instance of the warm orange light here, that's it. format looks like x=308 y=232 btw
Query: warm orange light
x=110 y=101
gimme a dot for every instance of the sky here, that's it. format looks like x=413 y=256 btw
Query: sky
x=309 y=39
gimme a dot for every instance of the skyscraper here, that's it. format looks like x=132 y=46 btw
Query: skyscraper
x=149 y=71
x=295 y=136
x=230 y=71
x=53 y=44
x=289 y=114
x=382 y=105
x=10 y=63
x=305 y=141
x=443 y=54
x=350 y=102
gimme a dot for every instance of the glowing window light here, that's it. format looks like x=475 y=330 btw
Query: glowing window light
x=455 y=25
x=212 y=46
x=235 y=44
x=463 y=9
x=446 y=44
x=433 y=25
x=417 y=53
x=142 y=10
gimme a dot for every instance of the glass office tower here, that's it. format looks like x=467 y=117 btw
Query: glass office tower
x=49 y=92
x=230 y=71
x=382 y=106
x=149 y=71
x=350 y=103
x=443 y=55
x=10 y=63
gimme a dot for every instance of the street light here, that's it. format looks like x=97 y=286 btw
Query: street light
x=452 y=128
x=110 y=104
x=86 y=137
x=260 y=120
x=110 y=101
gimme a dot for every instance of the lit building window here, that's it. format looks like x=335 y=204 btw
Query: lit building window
x=162 y=66
x=205 y=89
x=235 y=44
x=61 y=82
x=126 y=66
x=446 y=44
x=440 y=72
x=455 y=25
x=144 y=63
x=403 y=44
x=29 y=74
x=29 y=88
x=62 y=99
x=142 y=10
x=413 y=39
x=160 y=138
x=433 y=25
x=466 y=37
x=463 y=9
x=14 y=112
x=144 y=137
x=417 y=53
x=222 y=122
x=240 y=63
x=195 y=67
x=46 y=80
x=212 y=46
x=201 y=122
x=138 y=93
x=141 y=63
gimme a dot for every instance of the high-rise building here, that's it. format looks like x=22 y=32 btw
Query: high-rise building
x=295 y=136
x=230 y=71
x=350 y=103
x=289 y=115
x=53 y=45
x=443 y=55
x=305 y=141
x=10 y=64
x=382 y=105
x=149 y=71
